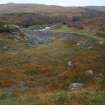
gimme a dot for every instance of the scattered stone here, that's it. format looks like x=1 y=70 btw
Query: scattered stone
x=5 y=47
x=16 y=40
x=101 y=42
x=75 y=86
x=78 y=44
x=89 y=73
x=81 y=45
x=90 y=47
x=47 y=28
x=22 y=86
x=70 y=63
x=12 y=27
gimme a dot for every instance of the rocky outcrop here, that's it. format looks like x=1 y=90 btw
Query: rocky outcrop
x=14 y=29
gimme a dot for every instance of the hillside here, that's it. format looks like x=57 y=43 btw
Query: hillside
x=47 y=9
x=30 y=14
x=35 y=8
x=52 y=55
x=21 y=14
x=97 y=8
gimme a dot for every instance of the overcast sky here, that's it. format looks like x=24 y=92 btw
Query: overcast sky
x=59 y=2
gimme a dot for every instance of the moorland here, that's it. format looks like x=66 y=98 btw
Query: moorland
x=52 y=55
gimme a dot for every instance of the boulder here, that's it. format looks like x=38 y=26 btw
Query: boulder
x=90 y=47
x=89 y=73
x=75 y=86
x=12 y=28
x=101 y=42
x=5 y=47
x=78 y=44
x=69 y=63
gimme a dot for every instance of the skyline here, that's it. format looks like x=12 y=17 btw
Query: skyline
x=59 y=2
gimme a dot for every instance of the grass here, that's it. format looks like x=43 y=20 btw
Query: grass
x=85 y=33
x=63 y=28
x=45 y=69
x=33 y=71
x=55 y=98
x=100 y=80
x=97 y=98
x=47 y=64
x=60 y=98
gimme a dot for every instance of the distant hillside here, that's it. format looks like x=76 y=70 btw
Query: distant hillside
x=97 y=8
x=44 y=9
x=49 y=9
x=32 y=14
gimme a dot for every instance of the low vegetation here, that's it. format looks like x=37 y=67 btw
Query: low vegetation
x=59 y=98
x=59 y=61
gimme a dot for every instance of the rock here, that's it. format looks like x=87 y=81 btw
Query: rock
x=81 y=45
x=75 y=86
x=16 y=40
x=90 y=47
x=21 y=86
x=5 y=47
x=89 y=73
x=69 y=63
x=47 y=28
x=101 y=42
x=12 y=27
x=78 y=44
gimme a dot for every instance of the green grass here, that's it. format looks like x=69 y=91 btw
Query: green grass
x=83 y=33
x=12 y=44
x=33 y=71
x=63 y=28
x=55 y=98
x=9 y=98
x=100 y=80
x=97 y=98
x=46 y=65
x=13 y=99
x=60 y=98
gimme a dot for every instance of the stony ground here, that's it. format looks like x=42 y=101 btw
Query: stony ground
x=52 y=68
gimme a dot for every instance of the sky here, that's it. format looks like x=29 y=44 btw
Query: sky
x=59 y=2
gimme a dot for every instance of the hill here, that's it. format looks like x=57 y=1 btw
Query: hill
x=36 y=8
x=97 y=8
x=31 y=14
x=52 y=55
x=46 y=9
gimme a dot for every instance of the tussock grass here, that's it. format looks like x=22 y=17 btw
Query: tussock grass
x=55 y=98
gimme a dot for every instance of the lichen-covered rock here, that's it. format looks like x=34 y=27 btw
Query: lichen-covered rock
x=69 y=63
x=89 y=73
x=12 y=27
x=101 y=42
x=75 y=86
